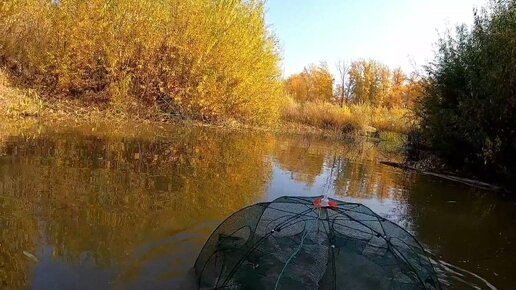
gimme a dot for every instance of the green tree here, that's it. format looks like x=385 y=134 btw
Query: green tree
x=468 y=112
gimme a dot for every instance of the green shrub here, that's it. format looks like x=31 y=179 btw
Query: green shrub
x=468 y=112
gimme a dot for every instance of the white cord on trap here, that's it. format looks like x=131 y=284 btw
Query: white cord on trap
x=325 y=201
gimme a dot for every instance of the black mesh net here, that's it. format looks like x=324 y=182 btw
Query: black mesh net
x=291 y=243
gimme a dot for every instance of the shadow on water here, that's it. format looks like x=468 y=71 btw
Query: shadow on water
x=131 y=209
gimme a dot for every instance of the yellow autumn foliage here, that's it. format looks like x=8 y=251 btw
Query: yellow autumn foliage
x=348 y=118
x=314 y=83
x=203 y=59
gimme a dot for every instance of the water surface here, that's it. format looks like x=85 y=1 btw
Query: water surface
x=95 y=208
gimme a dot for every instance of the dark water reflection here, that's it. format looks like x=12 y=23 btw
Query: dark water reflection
x=131 y=209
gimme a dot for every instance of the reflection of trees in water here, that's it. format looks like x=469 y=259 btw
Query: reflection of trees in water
x=108 y=195
x=105 y=196
x=469 y=228
x=351 y=167
x=17 y=234
x=366 y=179
x=302 y=156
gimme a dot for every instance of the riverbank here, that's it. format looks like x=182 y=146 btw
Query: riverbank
x=20 y=107
x=24 y=112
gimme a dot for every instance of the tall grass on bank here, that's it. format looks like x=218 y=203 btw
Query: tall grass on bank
x=203 y=59
x=16 y=102
x=352 y=118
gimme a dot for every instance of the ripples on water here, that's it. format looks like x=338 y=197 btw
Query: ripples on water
x=130 y=209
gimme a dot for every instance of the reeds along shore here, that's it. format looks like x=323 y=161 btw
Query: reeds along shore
x=349 y=118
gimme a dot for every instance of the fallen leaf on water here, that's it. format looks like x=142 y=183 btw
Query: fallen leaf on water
x=31 y=256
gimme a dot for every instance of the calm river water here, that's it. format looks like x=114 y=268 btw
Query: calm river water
x=92 y=208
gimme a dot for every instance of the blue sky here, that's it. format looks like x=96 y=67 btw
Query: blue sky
x=396 y=32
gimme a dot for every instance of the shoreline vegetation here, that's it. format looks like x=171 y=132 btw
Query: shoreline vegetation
x=19 y=104
x=215 y=63
x=22 y=111
x=206 y=61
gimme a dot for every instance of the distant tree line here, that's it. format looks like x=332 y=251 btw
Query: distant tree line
x=359 y=82
x=314 y=83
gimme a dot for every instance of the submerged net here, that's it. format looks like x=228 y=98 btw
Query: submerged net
x=292 y=243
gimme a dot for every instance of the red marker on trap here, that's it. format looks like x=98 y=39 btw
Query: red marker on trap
x=322 y=202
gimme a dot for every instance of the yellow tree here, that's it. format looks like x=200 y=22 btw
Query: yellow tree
x=413 y=91
x=297 y=87
x=370 y=82
x=384 y=84
x=315 y=83
x=373 y=83
x=398 y=90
